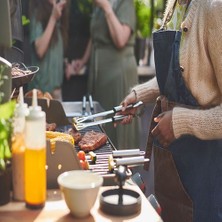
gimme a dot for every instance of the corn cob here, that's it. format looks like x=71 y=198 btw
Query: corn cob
x=53 y=137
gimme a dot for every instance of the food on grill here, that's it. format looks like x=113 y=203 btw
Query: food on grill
x=92 y=157
x=82 y=159
x=77 y=136
x=81 y=155
x=50 y=126
x=84 y=164
x=92 y=140
x=111 y=163
x=58 y=136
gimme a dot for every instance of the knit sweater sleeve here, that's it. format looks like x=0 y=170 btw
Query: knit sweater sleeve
x=204 y=124
x=148 y=91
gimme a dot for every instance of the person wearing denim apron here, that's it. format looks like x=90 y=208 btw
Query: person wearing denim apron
x=185 y=131
x=188 y=173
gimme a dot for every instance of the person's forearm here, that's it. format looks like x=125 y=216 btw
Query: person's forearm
x=148 y=91
x=87 y=53
x=42 y=43
x=120 y=33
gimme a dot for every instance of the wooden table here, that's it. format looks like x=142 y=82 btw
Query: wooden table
x=56 y=210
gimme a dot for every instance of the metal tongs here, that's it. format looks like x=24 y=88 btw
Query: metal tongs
x=79 y=121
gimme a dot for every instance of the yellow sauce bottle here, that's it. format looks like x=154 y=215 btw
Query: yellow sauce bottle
x=35 y=156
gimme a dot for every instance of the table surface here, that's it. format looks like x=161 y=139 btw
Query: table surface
x=56 y=210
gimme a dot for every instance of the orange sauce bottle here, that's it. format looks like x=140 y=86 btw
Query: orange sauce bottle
x=35 y=156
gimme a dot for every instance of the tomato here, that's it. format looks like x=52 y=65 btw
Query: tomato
x=81 y=155
x=84 y=164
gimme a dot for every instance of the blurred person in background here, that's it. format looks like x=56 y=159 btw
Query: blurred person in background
x=113 y=68
x=185 y=133
x=48 y=37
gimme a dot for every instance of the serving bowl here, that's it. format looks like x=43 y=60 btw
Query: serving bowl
x=80 y=189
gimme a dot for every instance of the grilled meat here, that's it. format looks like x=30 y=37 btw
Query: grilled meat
x=75 y=134
x=92 y=140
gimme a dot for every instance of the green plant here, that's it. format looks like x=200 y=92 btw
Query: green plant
x=85 y=6
x=6 y=115
x=143 y=17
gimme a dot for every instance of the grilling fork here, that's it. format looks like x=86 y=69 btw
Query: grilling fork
x=115 y=109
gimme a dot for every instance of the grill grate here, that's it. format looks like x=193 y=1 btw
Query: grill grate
x=102 y=153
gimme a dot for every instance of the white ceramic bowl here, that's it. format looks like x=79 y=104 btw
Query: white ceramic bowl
x=80 y=189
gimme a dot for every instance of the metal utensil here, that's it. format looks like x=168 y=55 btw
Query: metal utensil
x=84 y=113
x=91 y=106
x=128 y=153
x=105 y=113
x=79 y=125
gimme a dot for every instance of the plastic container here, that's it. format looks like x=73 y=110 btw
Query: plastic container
x=18 y=149
x=35 y=156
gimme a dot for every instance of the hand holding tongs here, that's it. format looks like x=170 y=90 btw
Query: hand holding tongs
x=78 y=121
x=115 y=109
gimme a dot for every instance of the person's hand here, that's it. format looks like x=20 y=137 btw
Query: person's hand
x=129 y=113
x=78 y=65
x=57 y=9
x=129 y=99
x=68 y=70
x=163 y=131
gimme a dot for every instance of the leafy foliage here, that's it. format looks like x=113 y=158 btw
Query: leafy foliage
x=85 y=6
x=143 y=16
x=6 y=114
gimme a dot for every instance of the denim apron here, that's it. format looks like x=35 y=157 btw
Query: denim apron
x=188 y=174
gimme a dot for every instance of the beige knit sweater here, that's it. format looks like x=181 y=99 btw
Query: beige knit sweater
x=201 y=57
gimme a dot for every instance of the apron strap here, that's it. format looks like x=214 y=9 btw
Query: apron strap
x=170 y=12
x=168 y=16
x=156 y=112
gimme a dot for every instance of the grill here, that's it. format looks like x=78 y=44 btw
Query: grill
x=102 y=153
x=65 y=157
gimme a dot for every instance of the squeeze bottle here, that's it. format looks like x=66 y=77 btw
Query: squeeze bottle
x=35 y=156
x=18 y=148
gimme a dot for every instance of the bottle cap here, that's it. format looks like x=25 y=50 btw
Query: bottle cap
x=21 y=107
x=21 y=111
x=35 y=111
